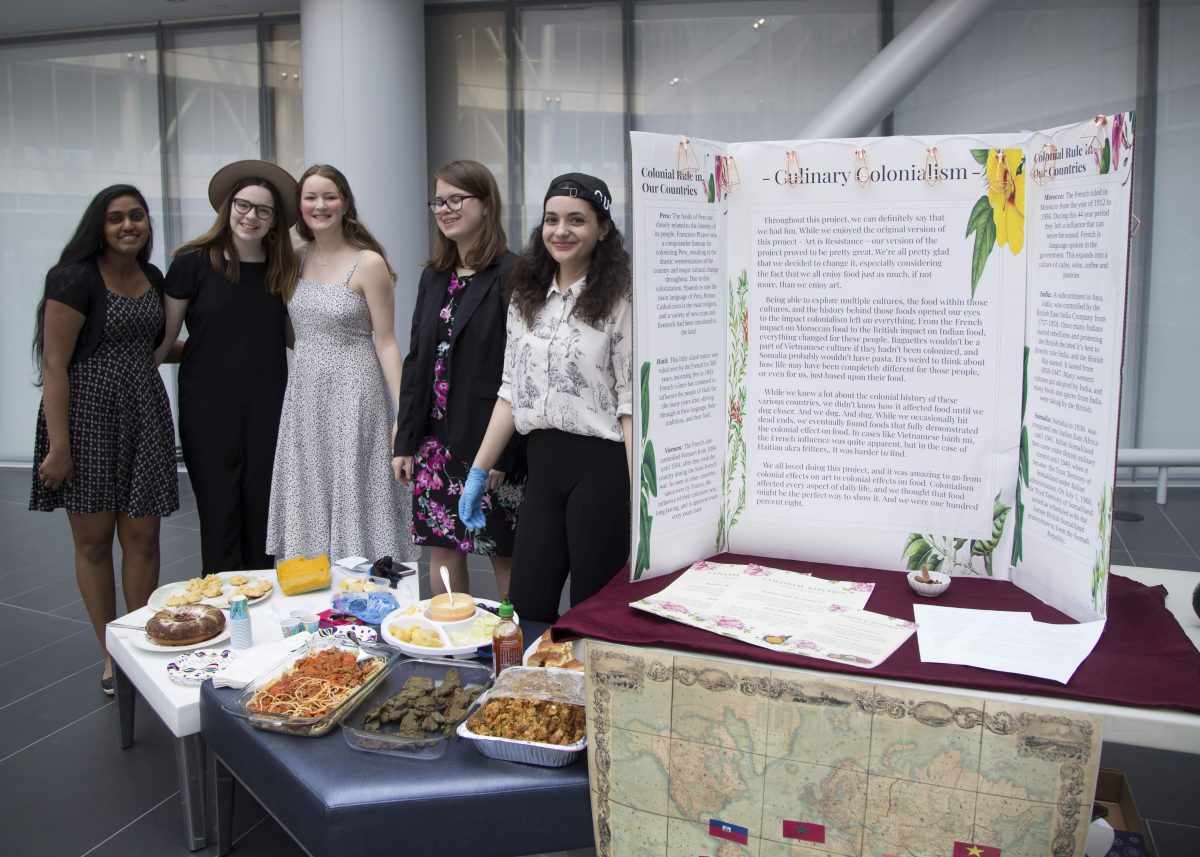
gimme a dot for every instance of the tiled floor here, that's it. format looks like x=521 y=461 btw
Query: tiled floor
x=66 y=788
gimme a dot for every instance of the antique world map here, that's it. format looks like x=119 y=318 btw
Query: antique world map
x=699 y=756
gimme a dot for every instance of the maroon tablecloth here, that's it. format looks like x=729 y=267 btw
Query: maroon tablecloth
x=1143 y=658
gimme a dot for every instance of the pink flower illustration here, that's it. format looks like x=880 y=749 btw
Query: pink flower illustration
x=672 y=607
x=838 y=608
x=730 y=622
x=754 y=570
x=1118 y=132
x=803 y=645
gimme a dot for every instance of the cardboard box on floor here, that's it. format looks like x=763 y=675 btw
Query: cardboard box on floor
x=1113 y=792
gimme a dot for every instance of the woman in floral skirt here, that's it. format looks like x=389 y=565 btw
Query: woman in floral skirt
x=451 y=376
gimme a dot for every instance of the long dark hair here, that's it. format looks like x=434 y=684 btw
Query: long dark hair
x=222 y=252
x=353 y=231
x=84 y=246
x=609 y=275
x=477 y=180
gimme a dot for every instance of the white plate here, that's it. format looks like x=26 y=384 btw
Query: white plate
x=409 y=649
x=141 y=640
x=418 y=610
x=192 y=668
x=158 y=599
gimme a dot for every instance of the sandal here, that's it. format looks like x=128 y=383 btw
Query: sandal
x=107 y=685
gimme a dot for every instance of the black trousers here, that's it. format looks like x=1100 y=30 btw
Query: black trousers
x=574 y=519
x=229 y=458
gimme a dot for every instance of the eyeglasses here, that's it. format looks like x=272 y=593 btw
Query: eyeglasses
x=451 y=203
x=243 y=206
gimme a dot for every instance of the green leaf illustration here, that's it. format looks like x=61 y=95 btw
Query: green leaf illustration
x=1023 y=459
x=645 y=397
x=918 y=552
x=649 y=471
x=649 y=480
x=981 y=212
x=641 y=561
x=1105 y=157
x=1024 y=383
x=980 y=156
x=942 y=554
x=733 y=468
x=712 y=189
x=985 y=240
x=1018 y=527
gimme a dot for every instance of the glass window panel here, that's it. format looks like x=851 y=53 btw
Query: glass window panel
x=213 y=79
x=1170 y=402
x=1030 y=65
x=745 y=71
x=75 y=117
x=466 y=94
x=1027 y=65
x=282 y=52
x=571 y=93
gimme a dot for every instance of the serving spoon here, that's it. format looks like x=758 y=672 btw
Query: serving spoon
x=446 y=582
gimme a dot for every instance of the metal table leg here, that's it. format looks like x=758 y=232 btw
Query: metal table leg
x=125 y=704
x=189 y=758
x=220 y=804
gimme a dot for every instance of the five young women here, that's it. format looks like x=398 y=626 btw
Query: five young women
x=558 y=373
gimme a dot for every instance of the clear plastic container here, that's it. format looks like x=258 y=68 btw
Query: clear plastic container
x=240 y=706
x=433 y=744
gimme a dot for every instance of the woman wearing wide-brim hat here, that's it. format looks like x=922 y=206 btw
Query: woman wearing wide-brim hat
x=231 y=286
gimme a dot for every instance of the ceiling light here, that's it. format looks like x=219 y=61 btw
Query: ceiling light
x=759 y=24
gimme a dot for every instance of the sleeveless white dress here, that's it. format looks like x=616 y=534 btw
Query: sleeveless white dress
x=332 y=489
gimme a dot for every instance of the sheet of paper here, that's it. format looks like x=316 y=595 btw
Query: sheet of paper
x=782 y=611
x=1015 y=643
x=940 y=629
x=698 y=588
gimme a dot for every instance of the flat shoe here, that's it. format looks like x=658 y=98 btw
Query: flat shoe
x=106 y=685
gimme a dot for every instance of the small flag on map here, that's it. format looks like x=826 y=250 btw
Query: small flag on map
x=725 y=830
x=805 y=830
x=970 y=849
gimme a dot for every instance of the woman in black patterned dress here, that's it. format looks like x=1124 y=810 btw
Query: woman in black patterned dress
x=105 y=445
x=451 y=376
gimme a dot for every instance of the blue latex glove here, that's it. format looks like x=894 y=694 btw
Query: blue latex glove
x=470 y=503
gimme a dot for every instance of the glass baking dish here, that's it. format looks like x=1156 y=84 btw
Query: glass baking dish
x=430 y=744
x=311 y=726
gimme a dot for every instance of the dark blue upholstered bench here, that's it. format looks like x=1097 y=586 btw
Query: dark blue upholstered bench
x=334 y=800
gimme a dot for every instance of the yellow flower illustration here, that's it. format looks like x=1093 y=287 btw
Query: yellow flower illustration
x=1006 y=193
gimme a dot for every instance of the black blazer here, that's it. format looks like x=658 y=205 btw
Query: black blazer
x=474 y=363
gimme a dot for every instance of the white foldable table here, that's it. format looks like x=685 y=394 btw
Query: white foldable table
x=179 y=707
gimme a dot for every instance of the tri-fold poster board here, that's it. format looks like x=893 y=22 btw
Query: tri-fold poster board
x=885 y=352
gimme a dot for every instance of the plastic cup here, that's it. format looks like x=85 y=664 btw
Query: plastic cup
x=290 y=625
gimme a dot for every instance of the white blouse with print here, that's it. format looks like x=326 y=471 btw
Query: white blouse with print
x=562 y=373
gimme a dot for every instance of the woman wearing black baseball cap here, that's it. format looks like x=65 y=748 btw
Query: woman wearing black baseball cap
x=568 y=386
x=231 y=285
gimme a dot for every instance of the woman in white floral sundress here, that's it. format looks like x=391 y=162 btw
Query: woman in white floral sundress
x=332 y=489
